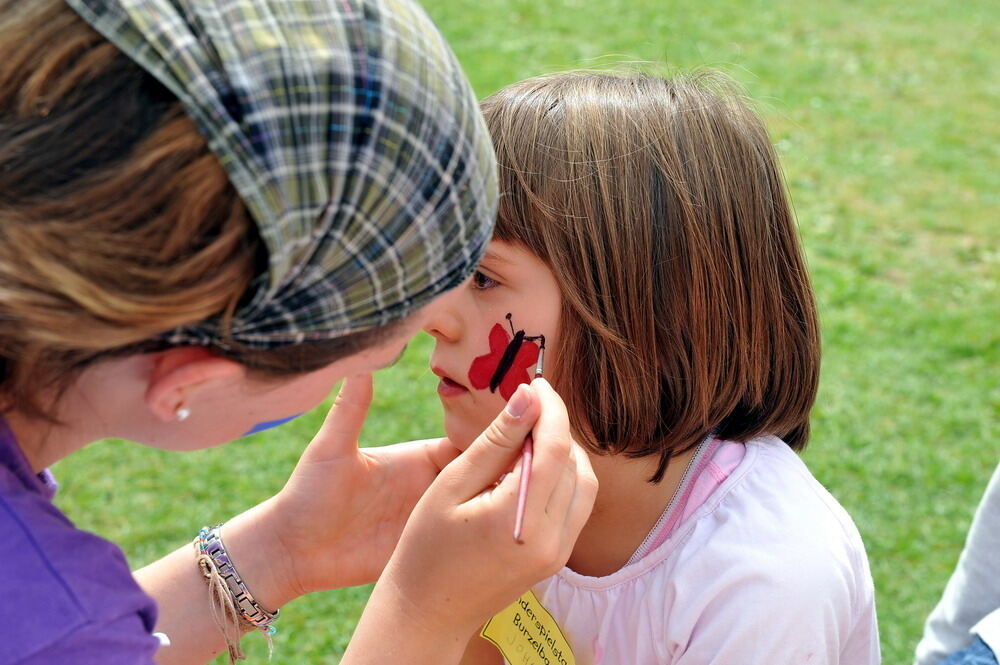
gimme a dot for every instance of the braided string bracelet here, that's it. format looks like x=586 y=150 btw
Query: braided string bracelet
x=231 y=600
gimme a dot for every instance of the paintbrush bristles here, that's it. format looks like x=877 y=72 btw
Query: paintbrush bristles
x=540 y=365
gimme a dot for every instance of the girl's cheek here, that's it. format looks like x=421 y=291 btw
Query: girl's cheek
x=483 y=367
x=510 y=361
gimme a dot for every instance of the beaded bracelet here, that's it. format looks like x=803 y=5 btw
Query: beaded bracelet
x=230 y=596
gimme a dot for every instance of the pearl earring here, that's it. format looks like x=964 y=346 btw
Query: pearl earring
x=183 y=413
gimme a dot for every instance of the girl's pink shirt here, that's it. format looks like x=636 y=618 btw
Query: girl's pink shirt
x=762 y=565
x=710 y=466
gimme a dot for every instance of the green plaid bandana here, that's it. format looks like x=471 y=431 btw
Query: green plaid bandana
x=351 y=134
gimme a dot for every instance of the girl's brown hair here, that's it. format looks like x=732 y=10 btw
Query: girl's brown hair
x=661 y=209
x=116 y=221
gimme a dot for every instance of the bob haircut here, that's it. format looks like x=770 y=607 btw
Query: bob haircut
x=661 y=209
x=117 y=223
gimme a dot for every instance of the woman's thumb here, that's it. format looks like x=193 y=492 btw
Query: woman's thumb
x=494 y=451
x=340 y=431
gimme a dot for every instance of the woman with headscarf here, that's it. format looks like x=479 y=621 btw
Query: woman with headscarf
x=210 y=212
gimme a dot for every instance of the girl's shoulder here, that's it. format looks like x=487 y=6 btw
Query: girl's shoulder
x=771 y=505
x=768 y=542
x=768 y=516
x=777 y=487
x=764 y=506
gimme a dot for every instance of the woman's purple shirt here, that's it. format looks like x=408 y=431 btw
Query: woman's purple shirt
x=66 y=596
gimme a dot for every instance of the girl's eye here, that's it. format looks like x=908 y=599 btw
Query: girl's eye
x=481 y=282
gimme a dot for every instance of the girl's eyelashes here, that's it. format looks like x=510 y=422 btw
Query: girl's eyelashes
x=481 y=281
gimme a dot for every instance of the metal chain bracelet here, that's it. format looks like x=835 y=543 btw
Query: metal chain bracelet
x=229 y=594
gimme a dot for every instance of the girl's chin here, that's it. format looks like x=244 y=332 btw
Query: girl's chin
x=462 y=435
x=463 y=425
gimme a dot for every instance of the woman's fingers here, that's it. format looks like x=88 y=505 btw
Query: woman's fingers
x=553 y=445
x=340 y=431
x=563 y=486
x=561 y=499
x=441 y=452
x=494 y=451
x=458 y=547
x=584 y=494
x=567 y=508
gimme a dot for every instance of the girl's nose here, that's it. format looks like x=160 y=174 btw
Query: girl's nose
x=443 y=321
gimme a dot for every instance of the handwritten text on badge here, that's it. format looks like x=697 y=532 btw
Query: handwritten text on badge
x=526 y=634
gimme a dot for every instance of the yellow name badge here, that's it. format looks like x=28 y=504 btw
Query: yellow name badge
x=526 y=634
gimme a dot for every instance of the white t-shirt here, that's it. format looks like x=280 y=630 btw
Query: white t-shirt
x=970 y=604
x=769 y=569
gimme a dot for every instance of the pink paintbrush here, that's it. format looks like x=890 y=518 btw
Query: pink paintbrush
x=526 y=454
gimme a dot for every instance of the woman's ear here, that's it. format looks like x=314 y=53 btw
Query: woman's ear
x=178 y=374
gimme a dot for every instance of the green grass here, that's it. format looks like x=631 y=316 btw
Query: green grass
x=885 y=117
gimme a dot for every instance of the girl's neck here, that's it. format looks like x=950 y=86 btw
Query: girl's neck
x=627 y=508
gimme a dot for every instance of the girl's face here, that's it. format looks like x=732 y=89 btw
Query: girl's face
x=475 y=325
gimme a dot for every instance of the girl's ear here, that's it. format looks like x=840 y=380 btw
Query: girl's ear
x=178 y=374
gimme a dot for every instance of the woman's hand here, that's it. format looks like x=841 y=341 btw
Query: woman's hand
x=334 y=524
x=341 y=512
x=340 y=515
x=457 y=562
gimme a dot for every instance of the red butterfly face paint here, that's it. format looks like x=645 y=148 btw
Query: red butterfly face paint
x=507 y=364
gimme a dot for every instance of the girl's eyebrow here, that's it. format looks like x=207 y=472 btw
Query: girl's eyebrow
x=496 y=258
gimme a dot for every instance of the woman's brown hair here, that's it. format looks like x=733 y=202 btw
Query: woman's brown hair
x=117 y=223
x=660 y=206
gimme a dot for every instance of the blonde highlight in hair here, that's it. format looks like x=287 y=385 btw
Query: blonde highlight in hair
x=117 y=223
x=661 y=209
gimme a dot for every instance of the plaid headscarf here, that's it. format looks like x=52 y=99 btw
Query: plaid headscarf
x=350 y=133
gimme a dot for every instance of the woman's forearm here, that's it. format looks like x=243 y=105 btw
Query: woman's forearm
x=181 y=592
x=393 y=630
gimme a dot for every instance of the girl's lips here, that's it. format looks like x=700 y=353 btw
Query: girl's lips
x=448 y=388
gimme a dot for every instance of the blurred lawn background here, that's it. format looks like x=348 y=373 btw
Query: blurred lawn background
x=885 y=115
